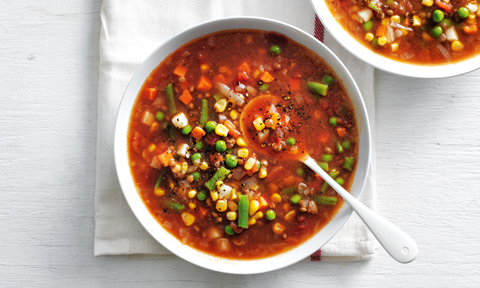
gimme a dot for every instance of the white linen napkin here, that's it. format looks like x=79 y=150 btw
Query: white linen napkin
x=130 y=31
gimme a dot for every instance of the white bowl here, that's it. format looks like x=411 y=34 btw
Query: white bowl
x=384 y=63
x=140 y=210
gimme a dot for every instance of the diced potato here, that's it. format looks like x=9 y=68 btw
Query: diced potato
x=148 y=118
x=451 y=34
x=179 y=120
x=183 y=150
x=225 y=192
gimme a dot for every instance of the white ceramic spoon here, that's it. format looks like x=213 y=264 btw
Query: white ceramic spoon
x=396 y=242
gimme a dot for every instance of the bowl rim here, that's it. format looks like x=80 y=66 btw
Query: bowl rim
x=156 y=230
x=386 y=64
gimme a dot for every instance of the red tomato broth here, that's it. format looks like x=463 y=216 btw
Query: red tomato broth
x=236 y=58
x=421 y=45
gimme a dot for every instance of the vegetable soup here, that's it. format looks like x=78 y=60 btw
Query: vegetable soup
x=421 y=32
x=214 y=138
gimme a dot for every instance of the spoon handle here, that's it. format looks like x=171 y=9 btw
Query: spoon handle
x=396 y=242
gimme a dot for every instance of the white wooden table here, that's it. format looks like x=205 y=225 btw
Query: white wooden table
x=428 y=154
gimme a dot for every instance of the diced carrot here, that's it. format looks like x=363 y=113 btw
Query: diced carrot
x=204 y=84
x=150 y=93
x=220 y=78
x=445 y=6
x=341 y=131
x=165 y=157
x=184 y=85
x=275 y=118
x=202 y=211
x=263 y=203
x=232 y=130
x=324 y=137
x=294 y=84
x=198 y=133
x=180 y=71
x=381 y=30
x=186 y=97
x=470 y=29
x=266 y=77
x=244 y=67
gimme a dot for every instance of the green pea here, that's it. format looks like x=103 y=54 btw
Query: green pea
x=275 y=50
x=291 y=141
x=196 y=156
x=196 y=176
x=346 y=144
x=340 y=181
x=375 y=42
x=187 y=129
x=333 y=121
x=323 y=165
x=367 y=26
x=264 y=87
x=300 y=172
x=199 y=145
x=229 y=230
x=437 y=31
x=270 y=215
x=339 y=147
x=327 y=79
x=327 y=157
x=463 y=12
x=438 y=15
x=295 y=199
x=159 y=116
x=231 y=161
x=202 y=195
x=220 y=146
x=210 y=126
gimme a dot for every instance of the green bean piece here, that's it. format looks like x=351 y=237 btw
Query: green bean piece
x=346 y=144
x=323 y=165
x=367 y=26
x=327 y=79
x=324 y=187
x=177 y=207
x=340 y=180
x=170 y=99
x=187 y=129
x=159 y=180
x=318 y=88
x=291 y=141
x=243 y=211
x=220 y=146
x=339 y=147
x=199 y=145
x=463 y=12
x=275 y=50
x=375 y=42
x=288 y=190
x=348 y=163
x=221 y=174
x=270 y=215
x=196 y=176
x=210 y=126
x=229 y=230
x=159 y=116
x=327 y=157
x=217 y=96
x=173 y=133
x=264 y=87
x=326 y=200
x=202 y=195
x=204 y=112
x=333 y=121
x=295 y=199
x=334 y=173
x=231 y=161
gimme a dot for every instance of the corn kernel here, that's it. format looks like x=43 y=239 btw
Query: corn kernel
x=221 y=205
x=478 y=12
x=258 y=123
x=234 y=194
x=177 y=168
x=258 y=215
x=151 y=147
x=382 y=40
x=369 y=37
x=214 y=195
x=471 y=16
x=219 y=184
x=471 y=21
x=220 y=105
x=192 y=205
x=232 y=216
x=172 y=186
x=232 y=205
x=427 y=3
x=253 y=207
x=221 y=130
x=355 y=8
x=394 y=47
x=249 y=164
x=243 y=153
x=290 y=215
x=234 y=114
x=192 y=193
x=204 y=165
x=262 y=173
x=188 y=218
x=154 y=127
x=159 y=191
x=204 y=68
x=457 y=46
x=416 y=22
x=278 y=228
x=276 y=198
x=384 y=21
x=252 y=221
x=404 y=32
x=184 y=167
x=241 y=142
x=256 y=73
x=395 y=18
